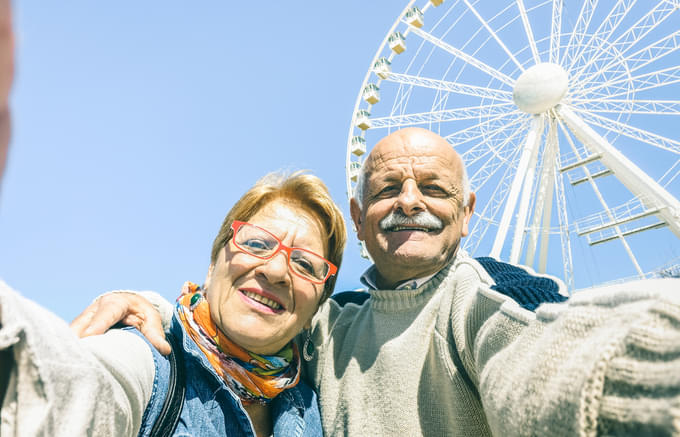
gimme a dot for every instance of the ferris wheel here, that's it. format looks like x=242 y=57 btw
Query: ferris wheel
x=566 y=114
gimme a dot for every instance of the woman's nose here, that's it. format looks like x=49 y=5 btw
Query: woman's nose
x=275 y=269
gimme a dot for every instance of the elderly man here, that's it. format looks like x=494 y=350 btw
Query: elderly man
x=444 y=344
x=401 y=361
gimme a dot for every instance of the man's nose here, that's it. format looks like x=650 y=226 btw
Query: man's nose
x=410 y=199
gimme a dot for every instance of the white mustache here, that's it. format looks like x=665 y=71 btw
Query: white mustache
x=423 y=219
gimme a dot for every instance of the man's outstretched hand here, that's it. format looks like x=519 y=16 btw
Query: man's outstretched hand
x=127 y=308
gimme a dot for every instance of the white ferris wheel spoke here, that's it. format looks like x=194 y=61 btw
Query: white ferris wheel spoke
x=668 y=172
x=555 y=31
x=647 y=55
x=635 y=33
x=624 y=106
x=484 y=147
x=502 y=156
x=448 y=86
x=492 y=207
x=482 y=129
x=528 y=31
x=642 y=82
x=493 y=34
x=441 y=116
x=464 y=56
x=488 y=136
x=579 y=31
x=611 y=22
x=641 y=135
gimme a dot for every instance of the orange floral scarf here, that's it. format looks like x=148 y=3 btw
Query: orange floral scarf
x=254 y=378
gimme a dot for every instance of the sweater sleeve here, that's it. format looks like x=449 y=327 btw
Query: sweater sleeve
x=607 y=362
x=61 y=385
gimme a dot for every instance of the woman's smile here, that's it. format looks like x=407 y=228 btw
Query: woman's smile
x=261 y=304
x=262 y=300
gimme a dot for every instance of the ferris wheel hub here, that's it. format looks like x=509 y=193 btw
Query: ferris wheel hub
x=540 y=88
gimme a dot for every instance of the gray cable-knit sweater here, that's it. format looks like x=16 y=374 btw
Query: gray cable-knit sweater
x=458 y=358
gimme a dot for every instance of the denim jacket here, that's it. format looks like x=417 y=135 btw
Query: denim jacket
x=212 y=409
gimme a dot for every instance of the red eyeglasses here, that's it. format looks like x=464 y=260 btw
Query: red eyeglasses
x=261 y=243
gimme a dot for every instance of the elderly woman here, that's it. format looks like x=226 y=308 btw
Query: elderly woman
x=273 y=262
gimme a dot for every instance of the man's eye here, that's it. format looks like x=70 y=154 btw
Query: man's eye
x=433 y=190
x=389 y=190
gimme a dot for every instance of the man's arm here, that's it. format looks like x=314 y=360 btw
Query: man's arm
x=605 y=362
x=6 y=365
x=146 y=311
x=61 y=385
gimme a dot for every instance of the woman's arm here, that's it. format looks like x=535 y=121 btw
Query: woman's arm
x=61 y=385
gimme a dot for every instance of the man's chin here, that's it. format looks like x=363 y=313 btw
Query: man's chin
x=413 y=255
x=401 y=238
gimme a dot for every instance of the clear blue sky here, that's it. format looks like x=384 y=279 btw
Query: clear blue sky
x=136 y=126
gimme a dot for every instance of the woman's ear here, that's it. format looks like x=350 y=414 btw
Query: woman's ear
x=308 y=324
x=208 y=277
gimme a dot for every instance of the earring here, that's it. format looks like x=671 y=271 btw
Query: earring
x=308 y=348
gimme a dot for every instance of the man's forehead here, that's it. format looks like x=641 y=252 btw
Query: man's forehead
x=421 y=165
x=406 y=161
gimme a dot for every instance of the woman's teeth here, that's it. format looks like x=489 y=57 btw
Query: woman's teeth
x=263 y=300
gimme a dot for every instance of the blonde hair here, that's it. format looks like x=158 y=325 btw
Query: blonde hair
x=302 y=189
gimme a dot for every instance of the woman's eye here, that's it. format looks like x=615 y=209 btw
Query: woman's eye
x=257 y=244
x=304 y=265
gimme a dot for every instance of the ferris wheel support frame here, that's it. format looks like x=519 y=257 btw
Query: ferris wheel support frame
x=530 y=148
x=650 y=193
x=523 y=212
x=544 y=201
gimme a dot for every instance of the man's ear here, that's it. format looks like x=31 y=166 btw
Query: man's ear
x=355 y=212
x=468 y=211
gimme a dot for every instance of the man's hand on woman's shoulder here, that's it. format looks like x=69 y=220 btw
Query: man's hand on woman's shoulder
x=126 y=308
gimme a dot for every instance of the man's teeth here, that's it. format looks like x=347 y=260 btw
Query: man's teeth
x=409 y=228
x=263 y=300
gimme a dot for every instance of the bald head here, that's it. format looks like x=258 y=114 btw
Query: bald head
x=413 y=141
x=412 y=205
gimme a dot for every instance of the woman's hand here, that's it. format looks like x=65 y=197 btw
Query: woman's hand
x=127 y=308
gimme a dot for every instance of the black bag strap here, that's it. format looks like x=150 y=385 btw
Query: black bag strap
x=174 y=399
